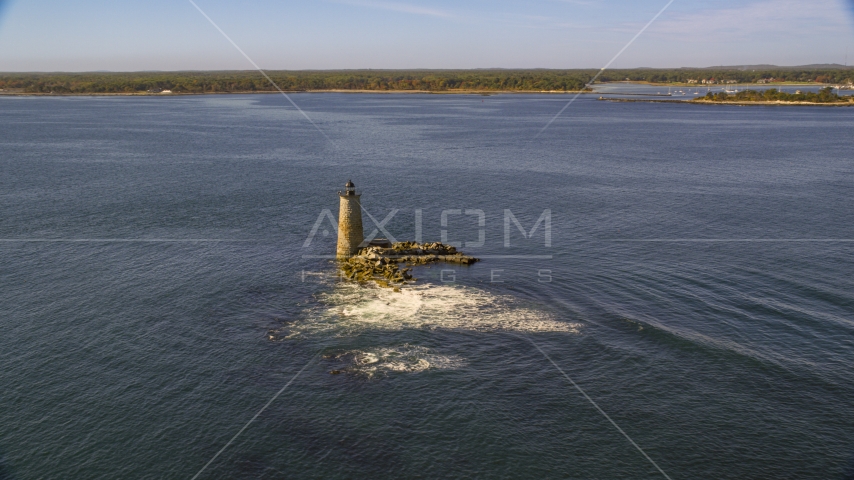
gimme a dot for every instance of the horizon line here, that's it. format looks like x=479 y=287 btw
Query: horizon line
x=727 y=67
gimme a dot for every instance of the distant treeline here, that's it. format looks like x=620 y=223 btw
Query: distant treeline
x=825 y=95
x=390 y=80
x=252 y=81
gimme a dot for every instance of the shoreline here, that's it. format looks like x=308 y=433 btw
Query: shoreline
x=778 y=103
x=720 y=85
x=484 y=93
x=18 y=93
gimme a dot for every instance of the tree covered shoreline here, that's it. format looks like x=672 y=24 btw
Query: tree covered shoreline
x=253 y=81
x=537 y=80
x=825 y=95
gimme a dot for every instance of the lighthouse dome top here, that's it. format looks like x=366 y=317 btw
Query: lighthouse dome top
x=349 y=189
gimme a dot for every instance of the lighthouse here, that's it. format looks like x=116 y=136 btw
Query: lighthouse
x=350 y=234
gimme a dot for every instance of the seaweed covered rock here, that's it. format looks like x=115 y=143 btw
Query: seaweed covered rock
x=382 y=264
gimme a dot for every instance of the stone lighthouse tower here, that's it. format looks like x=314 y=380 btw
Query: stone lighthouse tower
x=350 y=234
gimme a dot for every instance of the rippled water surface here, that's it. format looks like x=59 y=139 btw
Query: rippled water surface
x=697 y=286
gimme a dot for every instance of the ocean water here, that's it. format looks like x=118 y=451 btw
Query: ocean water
x=159 y=284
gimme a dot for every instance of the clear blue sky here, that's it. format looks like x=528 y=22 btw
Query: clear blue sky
x=86 y=35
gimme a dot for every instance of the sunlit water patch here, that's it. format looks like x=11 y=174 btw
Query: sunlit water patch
x=350 y=309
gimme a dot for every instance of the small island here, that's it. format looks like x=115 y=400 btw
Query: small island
x=772 y=96
x=381 y=264
x=378 y=260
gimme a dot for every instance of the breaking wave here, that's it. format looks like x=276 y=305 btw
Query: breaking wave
x=351 y=309
x=370 y=362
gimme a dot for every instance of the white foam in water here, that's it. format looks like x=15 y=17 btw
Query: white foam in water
x=350 y=309
x=404 y=358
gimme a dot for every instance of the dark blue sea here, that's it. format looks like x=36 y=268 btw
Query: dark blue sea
x=166 y=272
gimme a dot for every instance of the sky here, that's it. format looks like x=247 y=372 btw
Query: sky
x=94 y=35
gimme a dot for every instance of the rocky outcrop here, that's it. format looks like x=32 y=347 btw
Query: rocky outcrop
x=382 y=264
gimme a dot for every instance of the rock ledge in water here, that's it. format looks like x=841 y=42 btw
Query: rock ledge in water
x=382 y=264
